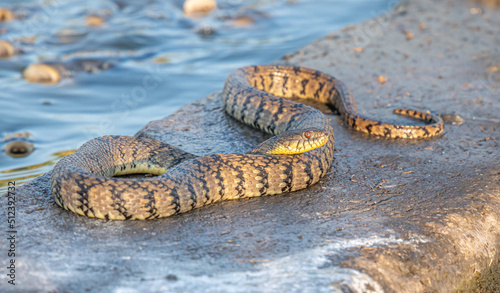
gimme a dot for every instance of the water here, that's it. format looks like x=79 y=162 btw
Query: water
x=164 y=60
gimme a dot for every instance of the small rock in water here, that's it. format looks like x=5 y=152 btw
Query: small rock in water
x=193 y=7
x=42 y=73
x=94 y=20
x=243 y=21
x=93 y=65
x=6 y=15
x=18 y=144
x=70 y=35
x=206 y=30
x=6 y=49
x=54 y=72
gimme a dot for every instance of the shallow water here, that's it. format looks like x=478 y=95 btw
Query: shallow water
x=163 y=61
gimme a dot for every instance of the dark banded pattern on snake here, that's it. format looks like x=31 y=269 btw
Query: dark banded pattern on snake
x=83 y=182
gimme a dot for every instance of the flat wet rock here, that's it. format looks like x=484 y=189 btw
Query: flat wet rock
x=395 y=216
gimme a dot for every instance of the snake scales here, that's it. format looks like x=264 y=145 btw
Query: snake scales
x=83 y=182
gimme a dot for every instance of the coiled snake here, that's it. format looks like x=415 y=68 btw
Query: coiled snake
x=299 y=154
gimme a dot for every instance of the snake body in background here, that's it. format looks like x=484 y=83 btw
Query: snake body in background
x=299 y=154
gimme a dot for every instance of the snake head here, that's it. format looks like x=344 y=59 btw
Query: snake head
x=293 y=142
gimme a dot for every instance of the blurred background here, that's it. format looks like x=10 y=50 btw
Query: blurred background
x=123 y=63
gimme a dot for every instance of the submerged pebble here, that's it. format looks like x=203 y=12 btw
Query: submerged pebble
x=206 y=30
x=6 y=49
x=18 y=144
x=54 y=72
x=69 y=35
x=242 y=21
x=94 y=20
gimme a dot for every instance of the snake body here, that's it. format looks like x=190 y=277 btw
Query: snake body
x=259 y=96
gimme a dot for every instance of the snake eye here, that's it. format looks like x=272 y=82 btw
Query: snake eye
x=307 y=134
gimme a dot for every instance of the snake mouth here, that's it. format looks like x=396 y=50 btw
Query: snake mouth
x=309 y=145
x=299 y=142
x=145 y=169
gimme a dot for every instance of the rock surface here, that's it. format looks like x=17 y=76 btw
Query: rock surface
x=394 y=216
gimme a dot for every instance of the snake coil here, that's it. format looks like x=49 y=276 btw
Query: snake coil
x=83 y=182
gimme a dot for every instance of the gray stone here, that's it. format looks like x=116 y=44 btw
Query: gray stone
x=394 y=216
